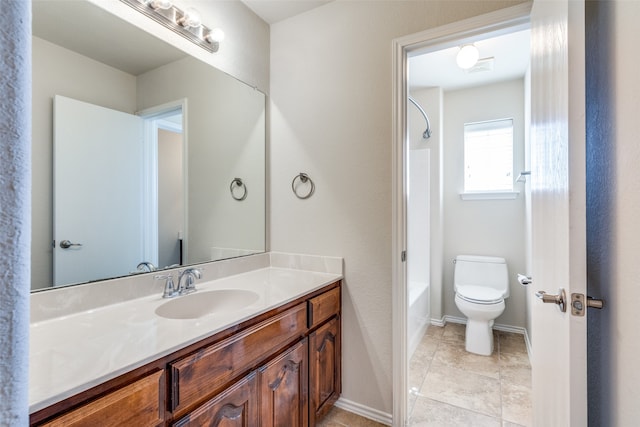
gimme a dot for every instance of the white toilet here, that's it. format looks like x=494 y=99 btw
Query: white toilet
x=481 y=284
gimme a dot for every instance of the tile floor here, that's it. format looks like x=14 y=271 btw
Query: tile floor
x=453 y=388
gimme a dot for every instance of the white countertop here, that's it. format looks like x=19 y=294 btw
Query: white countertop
x=73 y=353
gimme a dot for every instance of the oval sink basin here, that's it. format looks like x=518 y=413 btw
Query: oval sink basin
x=200 y=303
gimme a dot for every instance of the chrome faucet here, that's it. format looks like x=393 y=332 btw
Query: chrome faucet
x=146 y=266
x=187 y=280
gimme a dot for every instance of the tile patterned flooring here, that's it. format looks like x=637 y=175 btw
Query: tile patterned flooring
x=453 y=388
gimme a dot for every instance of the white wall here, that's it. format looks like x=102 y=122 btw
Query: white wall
x=58 y=71
x=484 y=227
x=331 y=118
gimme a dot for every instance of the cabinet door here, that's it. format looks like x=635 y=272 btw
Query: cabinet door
x=283 y=389
x=324 y=369
x=236 y=406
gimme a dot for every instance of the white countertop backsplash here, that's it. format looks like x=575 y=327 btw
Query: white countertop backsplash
x=87 y=334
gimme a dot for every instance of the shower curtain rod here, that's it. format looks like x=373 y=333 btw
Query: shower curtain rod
x=427 y=132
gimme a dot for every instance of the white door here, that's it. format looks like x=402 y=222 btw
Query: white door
x=97 y=192
x=558 y=211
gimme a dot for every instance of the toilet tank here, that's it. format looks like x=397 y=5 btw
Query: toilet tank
x=481 y=271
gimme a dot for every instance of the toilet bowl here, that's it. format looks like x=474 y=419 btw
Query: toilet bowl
x=481 y=285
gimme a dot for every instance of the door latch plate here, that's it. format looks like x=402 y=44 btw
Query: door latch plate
x=579 y=304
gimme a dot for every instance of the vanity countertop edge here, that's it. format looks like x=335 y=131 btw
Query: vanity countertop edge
x=118 y=338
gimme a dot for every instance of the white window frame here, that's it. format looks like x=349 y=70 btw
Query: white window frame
x=488 y=193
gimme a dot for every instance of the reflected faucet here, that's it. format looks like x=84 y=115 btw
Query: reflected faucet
x=146 y=266
x=187 y=280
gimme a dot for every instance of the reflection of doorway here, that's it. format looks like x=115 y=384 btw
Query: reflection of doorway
x=170 y=193
x=165 y=187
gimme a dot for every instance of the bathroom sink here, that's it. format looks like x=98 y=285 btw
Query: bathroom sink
x=200 y=303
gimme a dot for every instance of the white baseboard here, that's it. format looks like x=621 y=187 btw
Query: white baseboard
x=438 y=322
x=365 y=411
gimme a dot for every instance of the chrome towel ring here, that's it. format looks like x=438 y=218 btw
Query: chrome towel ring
x=237 y=182
x=304 y=178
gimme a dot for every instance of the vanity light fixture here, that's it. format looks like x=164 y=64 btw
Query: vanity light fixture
x=160 y=4
x=190 y=18
x=187 y=22
x=467 y=56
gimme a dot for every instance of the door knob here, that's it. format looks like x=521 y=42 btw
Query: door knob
x=66 y=244
x=560 y=299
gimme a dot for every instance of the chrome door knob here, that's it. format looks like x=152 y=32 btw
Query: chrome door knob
x=66 y=244
x=560 y=299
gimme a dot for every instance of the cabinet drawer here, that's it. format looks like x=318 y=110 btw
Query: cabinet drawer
x=323 y=307
x=209 y=369
x=138 y=404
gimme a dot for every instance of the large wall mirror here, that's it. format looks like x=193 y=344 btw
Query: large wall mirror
x=143 y=156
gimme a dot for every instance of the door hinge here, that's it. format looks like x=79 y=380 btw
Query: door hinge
x=403 y=256
x=579 y=303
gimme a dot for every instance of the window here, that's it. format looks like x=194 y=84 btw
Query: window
x=488 y=156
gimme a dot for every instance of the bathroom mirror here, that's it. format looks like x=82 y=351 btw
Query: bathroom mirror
x=92 y=58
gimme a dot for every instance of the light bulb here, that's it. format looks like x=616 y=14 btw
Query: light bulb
x=160 y=4
x=215 y=36
x=191 y=18
x=467 y=56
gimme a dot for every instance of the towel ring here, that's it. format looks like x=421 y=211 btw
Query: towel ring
x=304 y=178
x=238 y=183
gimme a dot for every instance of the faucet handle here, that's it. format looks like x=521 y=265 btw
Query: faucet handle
x=170 y=290
x=187 y=280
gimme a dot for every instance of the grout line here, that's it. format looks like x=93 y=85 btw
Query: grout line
x=440 y=340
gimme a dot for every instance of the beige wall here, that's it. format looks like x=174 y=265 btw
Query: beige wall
x=484 y=227
x=225 y=128
x=331 y=118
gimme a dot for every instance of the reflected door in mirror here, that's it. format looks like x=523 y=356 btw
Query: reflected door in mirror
x=97 y=176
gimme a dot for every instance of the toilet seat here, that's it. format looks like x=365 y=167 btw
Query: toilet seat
x=479 y=294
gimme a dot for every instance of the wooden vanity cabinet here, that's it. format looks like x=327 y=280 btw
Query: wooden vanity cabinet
x=324 y=369
x=137 y=404
x=283 y=386
x=235 y=406
x=279 y=369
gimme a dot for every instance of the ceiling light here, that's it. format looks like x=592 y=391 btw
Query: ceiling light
x=467 y=56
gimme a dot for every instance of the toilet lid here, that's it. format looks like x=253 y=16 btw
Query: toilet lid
x=479 y=294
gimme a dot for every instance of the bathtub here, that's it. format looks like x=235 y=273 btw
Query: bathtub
x=418 y=314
